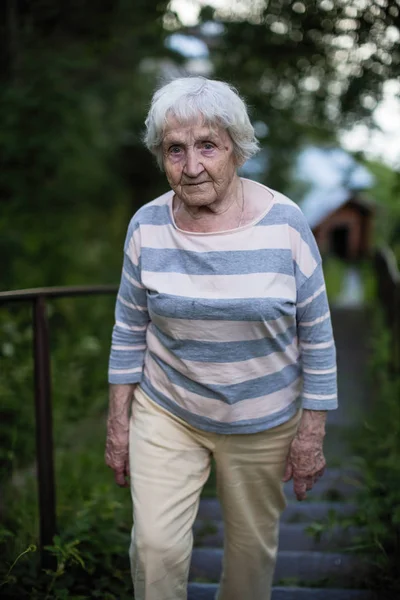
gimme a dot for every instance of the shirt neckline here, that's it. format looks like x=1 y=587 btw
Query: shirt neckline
x=225 y=231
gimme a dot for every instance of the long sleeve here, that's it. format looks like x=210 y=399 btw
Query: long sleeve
x=317 y=344
x=131 y=317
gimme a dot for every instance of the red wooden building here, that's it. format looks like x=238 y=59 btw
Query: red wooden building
x=342 y=222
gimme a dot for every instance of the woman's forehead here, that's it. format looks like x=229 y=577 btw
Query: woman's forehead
x=195 y=128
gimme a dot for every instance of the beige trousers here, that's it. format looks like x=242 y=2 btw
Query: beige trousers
x=170 y=463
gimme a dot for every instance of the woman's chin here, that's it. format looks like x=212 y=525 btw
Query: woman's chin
x=197 y=199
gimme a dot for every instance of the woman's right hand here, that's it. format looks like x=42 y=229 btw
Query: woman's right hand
x=117 y=443
x=117 y=451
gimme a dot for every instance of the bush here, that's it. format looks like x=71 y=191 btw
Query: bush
x=94 y=520
x=377 y=443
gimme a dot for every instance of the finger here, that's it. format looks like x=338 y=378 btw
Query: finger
x=287 y=476
x=119 y=476
x=300 y=488
x=318 y=476
x=309 y=484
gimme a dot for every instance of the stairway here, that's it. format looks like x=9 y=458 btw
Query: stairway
x=309 y=567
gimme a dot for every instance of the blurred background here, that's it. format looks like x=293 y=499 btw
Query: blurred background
x=321 y=79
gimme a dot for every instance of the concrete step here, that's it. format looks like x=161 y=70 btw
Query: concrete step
x=292 y=536
x=207 y=591
x=300 y=567
x=295 y=512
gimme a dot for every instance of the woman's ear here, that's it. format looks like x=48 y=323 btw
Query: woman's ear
x=239 y=161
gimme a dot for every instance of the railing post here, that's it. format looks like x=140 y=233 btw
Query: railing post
x=44 y=430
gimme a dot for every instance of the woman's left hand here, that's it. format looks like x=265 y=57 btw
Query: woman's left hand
x=306 y=462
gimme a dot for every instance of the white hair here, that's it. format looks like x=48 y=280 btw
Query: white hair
x=216 y=102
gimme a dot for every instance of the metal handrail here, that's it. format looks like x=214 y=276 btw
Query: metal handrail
x=43 y=409
x=57 y=292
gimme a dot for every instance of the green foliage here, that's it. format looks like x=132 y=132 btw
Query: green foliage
x=73 y=171
x=72 y=112
x=94 y=520
x=377 y=446
x=303 y=68
x=16 y=390
x=80 y=332
x=77 y=78
x=385 y=192
x=334 y=272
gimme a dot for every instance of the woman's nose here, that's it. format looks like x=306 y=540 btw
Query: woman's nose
x=193 y=166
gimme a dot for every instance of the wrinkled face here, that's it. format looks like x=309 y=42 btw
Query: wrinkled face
x=199 y=161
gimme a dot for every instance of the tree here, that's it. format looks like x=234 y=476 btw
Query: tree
x=77 y=77
x=307 y=67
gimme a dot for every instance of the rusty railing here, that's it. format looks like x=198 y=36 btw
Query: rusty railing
x=43 y=407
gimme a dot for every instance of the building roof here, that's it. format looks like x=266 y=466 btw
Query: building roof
x=322 y=202
x=334 y=177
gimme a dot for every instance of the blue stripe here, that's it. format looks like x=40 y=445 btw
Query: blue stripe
x=319 y=359
x=125 y=378
x=153 y=214
x=125 y=337
x=124 y=359
x=224 y=352
x=240 y=262
x=314 y=334
x=316 y=308
x=299 y=275
x=254 y=309
x=252 y=388
x=319 y=404
x=130 y=316
x=319 y=384
x=132 y=270
x=313 y=283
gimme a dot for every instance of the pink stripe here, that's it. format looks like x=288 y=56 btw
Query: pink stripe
x=134 y=247
x=124 y=371
x=131 y=305
x=261 y=237
x=320 y=371
x=253 y=285
x=302 y=253
x=319 y=396
x=281 y=199
x=311 y=298
x=321 y=346
x=316 y=321
x=129 y=348
x=131 y=280
x=131 y=327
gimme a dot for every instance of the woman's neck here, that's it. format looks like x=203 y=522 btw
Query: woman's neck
x=223 y=214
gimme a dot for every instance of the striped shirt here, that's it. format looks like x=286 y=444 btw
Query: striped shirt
x=230 y=331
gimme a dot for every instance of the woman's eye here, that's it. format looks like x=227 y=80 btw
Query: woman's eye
x=175 y=149
x=208 y=146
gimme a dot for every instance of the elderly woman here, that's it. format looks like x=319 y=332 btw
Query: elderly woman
x=222 y=348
